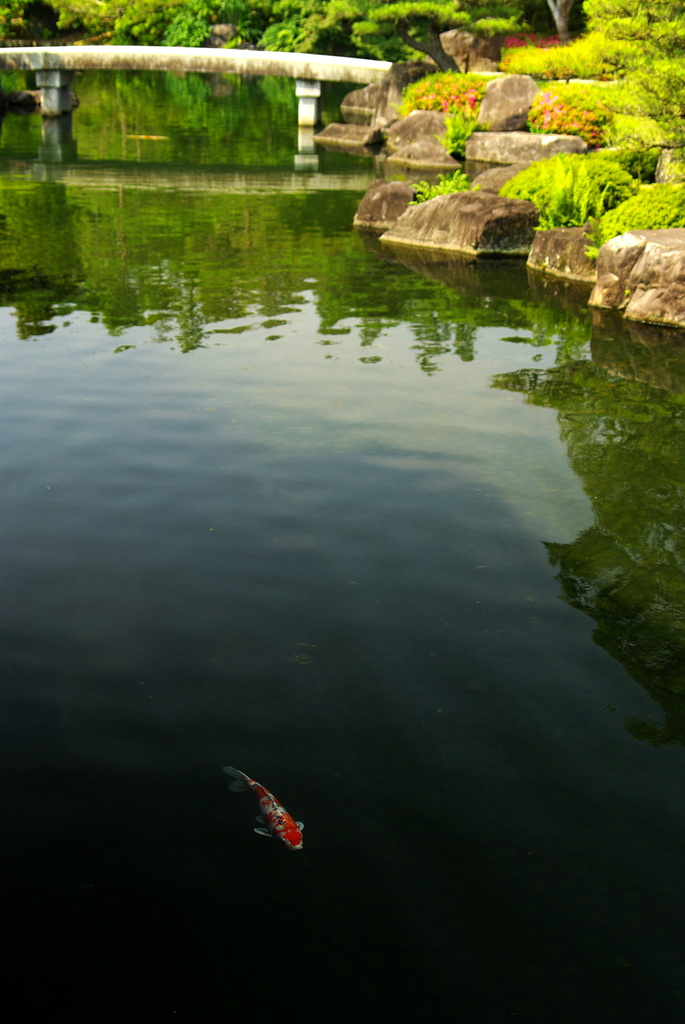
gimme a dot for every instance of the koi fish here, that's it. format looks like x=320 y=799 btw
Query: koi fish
x=274 y=816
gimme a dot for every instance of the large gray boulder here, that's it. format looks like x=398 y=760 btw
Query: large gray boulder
x=520 y=147
x=420 y=124
x=615 y=261
x=357 y=107
x=506 y=103
x=643 y=273
x=383 y=203
x=424 y=153
x=472 y=53
x=561 y=252
x=494 y=178
x=477 y=223
x=346 y=136
x=392 y=85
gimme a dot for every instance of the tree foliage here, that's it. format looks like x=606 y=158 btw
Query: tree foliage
x=654 y=63
x=419 y=24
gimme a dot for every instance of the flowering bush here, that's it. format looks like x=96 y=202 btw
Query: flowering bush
x=447 y=91
x=530 y=39
x=570 y=110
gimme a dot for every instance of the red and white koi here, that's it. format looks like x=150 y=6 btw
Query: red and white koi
x=274 y=818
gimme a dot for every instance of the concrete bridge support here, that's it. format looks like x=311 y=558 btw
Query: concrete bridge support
x=55 y=88
x=308 y=93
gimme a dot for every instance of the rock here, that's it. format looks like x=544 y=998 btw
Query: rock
x=477 y=223
x=516 y=147
x=391 y=87
x=615 y=260
x=643 y=272
x=357 y=107
x=24 y=99
x=420 y=124
x=472 y=53
x=383 y=203
x=657 y=281
x=31 y=99
x=507 y=102
x=346 y=136
x=494 y=178
x=671 y=166
x=220 y=35
x=424 y=153
x=561 y=251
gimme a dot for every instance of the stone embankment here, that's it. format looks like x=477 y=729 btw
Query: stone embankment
x=641 y=273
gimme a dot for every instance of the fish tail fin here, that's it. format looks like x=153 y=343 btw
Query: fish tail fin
x=241 y=779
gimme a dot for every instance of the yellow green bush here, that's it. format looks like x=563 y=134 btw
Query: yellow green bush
x=591 y=56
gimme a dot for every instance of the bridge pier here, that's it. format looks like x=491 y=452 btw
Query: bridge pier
x=308 y=92
x=55 y=90
x=58 y=146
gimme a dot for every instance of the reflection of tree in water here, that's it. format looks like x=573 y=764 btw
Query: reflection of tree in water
x=183 y=320
x=626 y=441
x=472 y=294
x=435 y=338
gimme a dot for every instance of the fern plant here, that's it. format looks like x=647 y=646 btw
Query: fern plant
x=459 y=127
x=446 y=183
x=570 y=189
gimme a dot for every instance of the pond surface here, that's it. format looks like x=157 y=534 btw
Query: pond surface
x=401 y=540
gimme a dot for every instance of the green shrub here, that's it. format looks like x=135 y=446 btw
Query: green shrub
x=639 y=163
x=84 y=17
x=591 y=56
x=570 y=189
x=144 y=23
x=190 y=27
x=309 y=26
x=570 y=110
x=655 y=206
x=446 y=183
x=447 y=91
x=459 y=127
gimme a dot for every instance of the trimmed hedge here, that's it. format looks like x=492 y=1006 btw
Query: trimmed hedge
x=654 y=207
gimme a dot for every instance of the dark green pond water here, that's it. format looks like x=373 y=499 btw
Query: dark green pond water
x=401 y=540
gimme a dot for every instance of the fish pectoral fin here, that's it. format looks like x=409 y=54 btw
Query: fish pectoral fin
x=300 y=825
x=260 y=819
x=262 y=832
x=237 y=786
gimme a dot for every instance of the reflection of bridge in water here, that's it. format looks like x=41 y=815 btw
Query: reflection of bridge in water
x=103 y=177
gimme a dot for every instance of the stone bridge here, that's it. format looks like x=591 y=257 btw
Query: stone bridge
x=56 y=66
